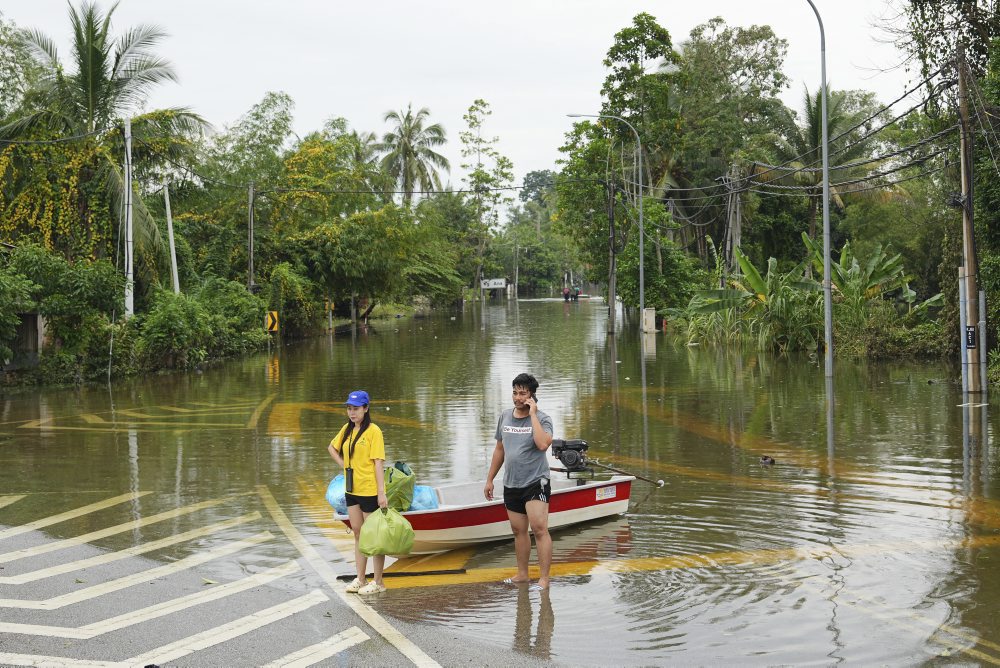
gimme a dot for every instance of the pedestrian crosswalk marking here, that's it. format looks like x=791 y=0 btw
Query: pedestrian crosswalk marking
x=55 y=545
x=185 y=646
x=142 y=548
x=154 y=611
x=7 y=500
x=407 y=647
x=219 y=634
x=313 y=654
x=12 y=659
x=151 y=418
x=70 y=514
x=136 y=578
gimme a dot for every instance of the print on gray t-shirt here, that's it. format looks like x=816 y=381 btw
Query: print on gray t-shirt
x=524 y=464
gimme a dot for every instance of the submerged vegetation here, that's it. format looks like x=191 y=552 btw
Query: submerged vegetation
x=730 y=190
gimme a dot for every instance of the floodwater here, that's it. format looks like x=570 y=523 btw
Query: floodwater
x=874 y=538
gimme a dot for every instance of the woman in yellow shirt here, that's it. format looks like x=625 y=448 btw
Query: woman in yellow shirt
x=360 y=449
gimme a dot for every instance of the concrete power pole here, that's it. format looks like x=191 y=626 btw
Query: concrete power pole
x=170 y=238
x=250 y=198
x=129 y=269
x=734 y=207
x=971 y=352
x=612 y=286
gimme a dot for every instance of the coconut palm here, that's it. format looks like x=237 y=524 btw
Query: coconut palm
x=799 y=147
x=409 y=157
x=111 y=78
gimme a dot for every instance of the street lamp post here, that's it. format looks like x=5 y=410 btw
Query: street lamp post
x=827 y=279
x=642 y=230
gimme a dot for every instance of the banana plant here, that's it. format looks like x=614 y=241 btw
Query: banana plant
x=775 y=310
x=857 y=281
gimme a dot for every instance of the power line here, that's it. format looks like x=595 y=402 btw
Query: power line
x=61 y=140
x=862 y=122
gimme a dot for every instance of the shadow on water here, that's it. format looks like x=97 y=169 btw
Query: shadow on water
x=871 y=539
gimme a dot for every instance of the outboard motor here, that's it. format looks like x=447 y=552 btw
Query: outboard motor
x=572 y=453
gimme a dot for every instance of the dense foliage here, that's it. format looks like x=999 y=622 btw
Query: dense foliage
x=724 y=176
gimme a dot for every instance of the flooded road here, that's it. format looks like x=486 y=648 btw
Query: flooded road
x=874 y=538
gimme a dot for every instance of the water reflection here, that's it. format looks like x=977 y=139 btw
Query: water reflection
x=877 y=522
x=538 y=644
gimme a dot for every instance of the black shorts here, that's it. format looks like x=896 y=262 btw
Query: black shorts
x=515 y=498
x=369 y=504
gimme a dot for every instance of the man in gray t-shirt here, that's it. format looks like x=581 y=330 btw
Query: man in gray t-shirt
x=523 y=435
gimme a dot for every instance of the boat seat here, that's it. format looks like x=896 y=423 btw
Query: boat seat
x=462 y=494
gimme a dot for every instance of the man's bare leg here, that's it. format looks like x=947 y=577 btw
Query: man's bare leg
x=522 y=544
x=538 y=519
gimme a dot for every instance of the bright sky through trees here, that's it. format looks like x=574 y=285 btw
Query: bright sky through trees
x=533 y=61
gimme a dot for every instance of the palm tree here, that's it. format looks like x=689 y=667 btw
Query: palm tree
x=799 y=147
x=409 y=157
x=113 y=77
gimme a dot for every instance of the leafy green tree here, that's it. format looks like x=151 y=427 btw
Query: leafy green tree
x=799 y=146
x=410 y=159
x=363 y=255
x=629 y=90
x=18 y=70
x=321 y=181
x=490 y=175
x=15 y=298
x=725 y=93
x=538 y=186
x=931 y=31
x=211 y=213
x=112 y=78
x=456 y=216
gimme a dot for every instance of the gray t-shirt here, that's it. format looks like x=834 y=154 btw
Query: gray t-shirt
x=524 y=464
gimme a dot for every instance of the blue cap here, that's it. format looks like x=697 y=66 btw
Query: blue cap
x=357 y=398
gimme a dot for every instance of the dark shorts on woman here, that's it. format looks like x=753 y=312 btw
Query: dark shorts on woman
x=369 y=504
x=515 y=498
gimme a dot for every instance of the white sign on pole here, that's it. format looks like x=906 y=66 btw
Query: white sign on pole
x=493 y=283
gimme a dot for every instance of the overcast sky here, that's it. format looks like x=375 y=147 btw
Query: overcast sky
x=534 y=61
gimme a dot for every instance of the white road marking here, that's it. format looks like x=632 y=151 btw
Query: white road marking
x=219 y=634
x=142 y=548
x=184 y=646
x=315 y=653
x=52 y=546
x=406 y=646
x=70 y=514
x=153 y=611
x=53 y=661
x=7 y=500
x=144 y=576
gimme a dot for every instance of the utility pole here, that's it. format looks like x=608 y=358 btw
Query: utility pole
x=734 y=206
x=612 y=270
x=970 y=350
x=250 y=283
x=129 y=270
x=170 y=239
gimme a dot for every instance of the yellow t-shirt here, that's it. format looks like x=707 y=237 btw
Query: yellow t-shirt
x=368 y=448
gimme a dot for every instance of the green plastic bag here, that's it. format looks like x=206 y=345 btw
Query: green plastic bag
x=385 y=532
x=399 y=482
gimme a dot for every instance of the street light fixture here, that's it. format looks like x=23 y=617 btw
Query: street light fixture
x=827 y=279
x=642 y=231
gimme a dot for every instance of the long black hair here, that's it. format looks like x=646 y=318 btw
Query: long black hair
x=365 y=421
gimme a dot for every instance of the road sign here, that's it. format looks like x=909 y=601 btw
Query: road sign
x=271 y=321
x=493 y=283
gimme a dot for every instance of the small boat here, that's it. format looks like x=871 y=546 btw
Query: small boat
x=463 y=517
